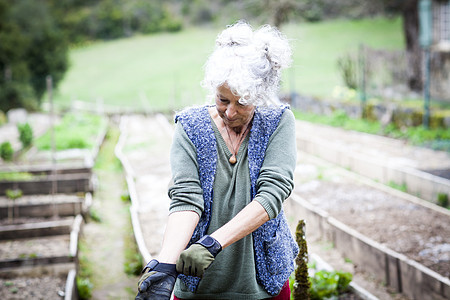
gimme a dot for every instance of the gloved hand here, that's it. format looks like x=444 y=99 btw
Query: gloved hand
x=198 y=257
x=158 y=282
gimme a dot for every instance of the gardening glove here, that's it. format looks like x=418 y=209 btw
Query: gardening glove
x=198 y=257
x=158 y=282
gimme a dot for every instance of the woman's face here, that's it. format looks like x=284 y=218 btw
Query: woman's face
x=234 y=114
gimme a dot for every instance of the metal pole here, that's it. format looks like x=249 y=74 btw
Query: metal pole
x=426 y=90
x=52 y=140
x=362 y=79
x=293 y=95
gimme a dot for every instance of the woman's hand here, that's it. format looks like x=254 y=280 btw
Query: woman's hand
x=198 y=257
x=158 y=282
x=160 y=279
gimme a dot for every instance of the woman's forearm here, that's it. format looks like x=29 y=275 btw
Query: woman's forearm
x=179 y=229
x=245 y=222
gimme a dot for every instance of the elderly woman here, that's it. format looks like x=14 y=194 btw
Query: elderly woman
x=232 y=167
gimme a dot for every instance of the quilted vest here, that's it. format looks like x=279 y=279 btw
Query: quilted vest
x=274 y=246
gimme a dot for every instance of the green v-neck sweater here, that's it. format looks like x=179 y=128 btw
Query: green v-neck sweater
x=232 y=275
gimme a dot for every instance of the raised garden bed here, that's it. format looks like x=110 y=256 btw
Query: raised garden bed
x=46 y=184
x=57 y=285
x=41 y=206
x=36 y=229
x=379 y=158
x=39 y=244
x=400 y=239
x=47 y=169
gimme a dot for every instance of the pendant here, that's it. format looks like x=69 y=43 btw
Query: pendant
x=232 y=159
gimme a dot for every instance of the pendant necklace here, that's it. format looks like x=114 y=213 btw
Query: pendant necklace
x=233 y=159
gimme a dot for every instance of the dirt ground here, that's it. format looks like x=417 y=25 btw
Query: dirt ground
x=43 y=288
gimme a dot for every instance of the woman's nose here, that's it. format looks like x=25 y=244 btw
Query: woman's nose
x=231 y=111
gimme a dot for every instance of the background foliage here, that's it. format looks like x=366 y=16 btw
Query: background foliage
x=31 y=47
x=35 y=36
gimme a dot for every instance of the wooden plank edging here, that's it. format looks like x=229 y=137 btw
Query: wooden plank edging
x=71 y=291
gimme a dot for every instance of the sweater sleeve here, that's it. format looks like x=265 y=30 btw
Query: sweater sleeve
x=185 y=191
x=276 y=178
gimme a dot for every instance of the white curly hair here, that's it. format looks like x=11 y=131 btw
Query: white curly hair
x=249 y=62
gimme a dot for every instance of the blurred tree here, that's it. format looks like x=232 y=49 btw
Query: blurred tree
x=408 y=9
x=281 y=10
x=311 y=10
x=31 y=47
x=84 y=20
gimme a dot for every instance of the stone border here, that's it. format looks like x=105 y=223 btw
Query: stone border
x=396 y=270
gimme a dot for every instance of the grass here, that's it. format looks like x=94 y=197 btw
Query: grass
x=437 y=139
x=317 y=46
x=74 y=131
x=164 y=70
x=153 y=70
x=107 y=160
x=401 y=187
x=15 y=176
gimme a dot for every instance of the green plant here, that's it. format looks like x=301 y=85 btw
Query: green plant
x=133 y=264
x=15 y=176
x=74 y=131
x=125 y=197
x=133 y=259
x=6 y=151
x=3 y=118
x=401 y=187
x=302 y=284
x=8 y=283
x=94 y=215
x=348 y=67
x=85 y=287
x=442 y=199
x=25 y=134
x=327 y=284
x=13 y=194
x=435 y=138
x=84 y=284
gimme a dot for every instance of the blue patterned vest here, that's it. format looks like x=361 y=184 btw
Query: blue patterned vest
x=275 y=249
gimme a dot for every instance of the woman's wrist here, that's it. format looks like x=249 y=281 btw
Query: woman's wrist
x=167 y=258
